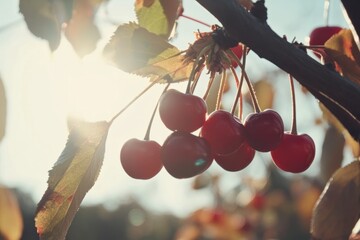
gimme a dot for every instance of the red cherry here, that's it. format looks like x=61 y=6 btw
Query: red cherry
x=182 y=112
x=237 y=160
x=264 y=130
x=321 y=34
x=295 y=153
x=141 y=159
x=223 y=131
x=238 y=50
x=185 y=155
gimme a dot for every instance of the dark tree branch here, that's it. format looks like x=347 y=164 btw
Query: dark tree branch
x=340 y=95
x=352 y=8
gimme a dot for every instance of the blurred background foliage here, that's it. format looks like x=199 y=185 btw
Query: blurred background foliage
x=274 y=208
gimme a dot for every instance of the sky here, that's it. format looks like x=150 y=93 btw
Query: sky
x=43 y=89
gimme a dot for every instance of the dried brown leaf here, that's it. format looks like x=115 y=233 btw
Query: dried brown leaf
x=338 y=208
x=341 y=49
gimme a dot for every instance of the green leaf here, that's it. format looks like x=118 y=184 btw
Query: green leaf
x=338 y=207
x=136 y=50
x=44 y=18
x=74 y=173
x=157 y=16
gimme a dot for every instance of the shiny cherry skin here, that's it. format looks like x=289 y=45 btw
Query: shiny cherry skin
x=223 y=131
x=264 y=130
x=237 y=160
x=320 y=35
x=238 y=50
x=182 y=112
x=295 y=153
x=141 y=159
x=185 y=155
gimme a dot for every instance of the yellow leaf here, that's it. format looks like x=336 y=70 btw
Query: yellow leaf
x=74 y=173
x=136 y=50
x=341 y=49
x=11 y=223
x=157 y=16
x=344 y=43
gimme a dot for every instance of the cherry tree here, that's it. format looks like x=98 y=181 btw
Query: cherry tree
x=143 y=48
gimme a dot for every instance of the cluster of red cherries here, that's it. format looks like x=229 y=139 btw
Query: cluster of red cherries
x=222 y=137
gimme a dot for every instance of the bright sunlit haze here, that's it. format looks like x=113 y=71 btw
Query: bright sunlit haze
x=44 y=90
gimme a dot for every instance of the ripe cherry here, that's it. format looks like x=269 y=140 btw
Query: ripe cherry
x=223 y=131
x=237 y=160
x=141 y=159
x=321 y=34
x=264 y=130
x=185 y=155
x=295 y=153
x=182 y=112
x=238 y=51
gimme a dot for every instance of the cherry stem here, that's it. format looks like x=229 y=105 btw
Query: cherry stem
x=195 y=20
x=10 y=25
x=292 y=90
x=238 y=93
x=211 y=81
x=147 y=135
x=158 y=79
x=252 y=94
x=133 y=100
x=196 y=79
x=195 y=66
x=312 y=46
x=221 y=90
x=248 y=82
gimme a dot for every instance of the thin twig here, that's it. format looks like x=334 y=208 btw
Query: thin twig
x=147 y=134
x=211 y=81
x=292 y=91
x=221 y=90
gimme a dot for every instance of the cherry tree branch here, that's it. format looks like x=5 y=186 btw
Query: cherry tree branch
x=340 y=95
x=352 y=8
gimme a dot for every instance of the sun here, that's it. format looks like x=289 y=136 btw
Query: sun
x=95 y=90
